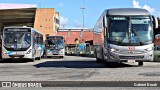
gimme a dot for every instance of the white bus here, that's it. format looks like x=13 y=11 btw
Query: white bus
x=54 y=46
x=22 y=43
x=125 y=34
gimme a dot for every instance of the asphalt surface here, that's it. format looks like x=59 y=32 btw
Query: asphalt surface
x=72 y=68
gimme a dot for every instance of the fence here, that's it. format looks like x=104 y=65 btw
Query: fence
x=80 y=50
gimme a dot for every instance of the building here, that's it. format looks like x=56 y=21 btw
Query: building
x=71 y=35
x=47 y=21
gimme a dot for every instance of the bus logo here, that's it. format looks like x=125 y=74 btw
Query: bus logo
x=130 y=52
x=131 y=48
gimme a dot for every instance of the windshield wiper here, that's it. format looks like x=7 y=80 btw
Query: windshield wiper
x=137 y=36
x=120 y=43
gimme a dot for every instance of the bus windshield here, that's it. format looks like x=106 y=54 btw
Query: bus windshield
x=55 y=43
x=17 y=40
x=118 y=29
x=130 y=30
x=141 y=29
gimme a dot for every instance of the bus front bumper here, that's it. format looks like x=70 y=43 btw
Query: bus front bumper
x=116 y=57
x=17 y=56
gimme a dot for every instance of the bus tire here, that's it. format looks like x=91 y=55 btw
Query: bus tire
x=61 y=56
x=33 y=59
x=98 y=59
x=48 y=56
x=140 y=63
x=39 y=58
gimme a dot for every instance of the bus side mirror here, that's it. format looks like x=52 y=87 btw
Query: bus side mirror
x=105 y=22
x=0 y=37
x=155 y=22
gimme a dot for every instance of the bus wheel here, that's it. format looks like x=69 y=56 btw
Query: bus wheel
x=48 y=56
x=33 y=59
x=98 y=60
x=61 y=56
x=39 y=58
x=140 y=63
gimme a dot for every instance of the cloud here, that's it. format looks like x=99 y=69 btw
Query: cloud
x=63 y=21
x=16 y=6
x=66 y=24
x=137 y=5
x=61 y=4
x=150 y=9
x=78 y=24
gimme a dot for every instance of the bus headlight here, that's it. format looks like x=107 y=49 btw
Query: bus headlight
x=29 y=51
x=62 y=51
x=49 y=52
x=149 y=49
x=113 y=50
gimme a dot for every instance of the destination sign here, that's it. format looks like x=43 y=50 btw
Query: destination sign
x=119 y=18
x=18 y=29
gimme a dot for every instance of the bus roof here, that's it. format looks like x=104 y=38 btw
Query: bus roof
x=24 y=27
x=127 y=11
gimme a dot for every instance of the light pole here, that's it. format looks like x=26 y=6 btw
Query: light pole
x=82 y=8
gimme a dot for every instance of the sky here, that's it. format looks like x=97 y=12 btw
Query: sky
x=71 y=14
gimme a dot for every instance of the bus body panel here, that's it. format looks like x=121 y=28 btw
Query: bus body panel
x=18 y=54
x=103 y=47
x=51 y=53
x=123 y=53
x=54 y=50
x=34 y=51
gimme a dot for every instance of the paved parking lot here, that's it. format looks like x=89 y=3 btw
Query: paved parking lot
x=73 y=68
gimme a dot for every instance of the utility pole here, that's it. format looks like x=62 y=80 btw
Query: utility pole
x=82 y=8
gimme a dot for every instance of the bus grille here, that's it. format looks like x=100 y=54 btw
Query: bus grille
x=131 y=57
x=131 y=52
x=54 y=54
x=20 y=56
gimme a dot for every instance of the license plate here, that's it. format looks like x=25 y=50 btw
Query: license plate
x=17 y=52
x=16 y=57
x=131 y=61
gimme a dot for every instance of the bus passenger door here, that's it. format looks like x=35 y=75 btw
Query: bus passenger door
x=35 y=47
x=105 y=49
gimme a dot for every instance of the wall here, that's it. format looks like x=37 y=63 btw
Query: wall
x=45 y=21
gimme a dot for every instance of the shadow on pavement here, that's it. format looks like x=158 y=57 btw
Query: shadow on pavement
x=80 y=64
x=119 y=65
x=52 y=58
x=15 y=61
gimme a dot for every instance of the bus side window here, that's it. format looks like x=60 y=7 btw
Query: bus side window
x=35 y=41
x=37 y=38
x=41 y=39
